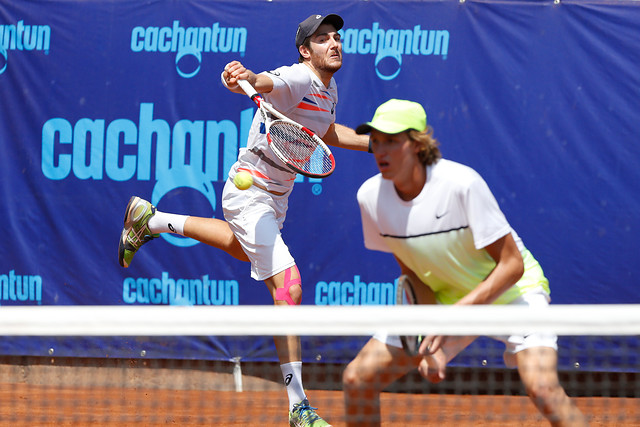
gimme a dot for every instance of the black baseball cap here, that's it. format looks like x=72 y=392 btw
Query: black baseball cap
x=309 y=26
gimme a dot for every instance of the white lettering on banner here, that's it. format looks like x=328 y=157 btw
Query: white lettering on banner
x=189 y=43
x=22 y=37
x=355 y=293
x=14 y=287
x=168 y=291
x=389 y=45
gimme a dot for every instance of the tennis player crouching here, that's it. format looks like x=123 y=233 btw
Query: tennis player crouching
x=445 y=228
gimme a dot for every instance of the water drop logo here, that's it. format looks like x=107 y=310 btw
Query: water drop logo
x=22 y=37
x=4 y=59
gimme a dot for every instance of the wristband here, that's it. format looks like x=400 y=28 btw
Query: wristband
x=370 y=150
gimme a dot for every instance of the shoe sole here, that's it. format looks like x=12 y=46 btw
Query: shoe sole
x=121 y=248
x=128 y=224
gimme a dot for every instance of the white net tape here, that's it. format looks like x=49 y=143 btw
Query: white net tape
x=314 y=320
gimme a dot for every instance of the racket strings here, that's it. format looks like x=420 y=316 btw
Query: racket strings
x=300 y=148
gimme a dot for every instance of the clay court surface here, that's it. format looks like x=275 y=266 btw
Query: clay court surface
x=116 y=392
x=33 y=405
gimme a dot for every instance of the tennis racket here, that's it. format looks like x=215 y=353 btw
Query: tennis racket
x=297 y=147
x=405 y=295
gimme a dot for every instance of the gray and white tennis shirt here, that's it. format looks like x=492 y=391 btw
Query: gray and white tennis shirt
x=300 y=95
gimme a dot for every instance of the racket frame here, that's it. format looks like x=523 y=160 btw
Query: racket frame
x=405 y=294
x=266 y=108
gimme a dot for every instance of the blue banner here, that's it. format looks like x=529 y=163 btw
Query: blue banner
x=103 y=99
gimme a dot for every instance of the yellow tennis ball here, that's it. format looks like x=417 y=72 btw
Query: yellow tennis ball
x=243 y=180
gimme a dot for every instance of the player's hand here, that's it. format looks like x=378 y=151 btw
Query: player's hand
x=235 y=71
x=431 y=344
x=433 y=367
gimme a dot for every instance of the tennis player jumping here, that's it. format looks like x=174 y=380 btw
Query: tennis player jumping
x=307 y=93
x=445 y=228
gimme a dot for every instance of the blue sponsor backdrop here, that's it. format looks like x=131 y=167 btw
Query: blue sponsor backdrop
x=100 y=100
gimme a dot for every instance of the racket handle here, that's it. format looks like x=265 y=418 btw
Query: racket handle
x=247 y=88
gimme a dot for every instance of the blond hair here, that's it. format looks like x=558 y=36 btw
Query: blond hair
x=429 y=152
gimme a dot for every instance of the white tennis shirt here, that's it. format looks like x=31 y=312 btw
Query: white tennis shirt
x=440 y=234
x=300 y=95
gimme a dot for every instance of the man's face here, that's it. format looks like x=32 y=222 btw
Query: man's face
x=394 y=153
x=326 y=49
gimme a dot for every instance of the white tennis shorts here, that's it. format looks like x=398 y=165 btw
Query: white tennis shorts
x=256 y=218
x=514 y=343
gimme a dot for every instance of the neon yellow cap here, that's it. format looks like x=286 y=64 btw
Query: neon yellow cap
x=395 y=116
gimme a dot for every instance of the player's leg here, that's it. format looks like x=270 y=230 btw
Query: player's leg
x=376 y=366
x=536 y=356
x=143 y=222
x=286 y=289
x=256 y=217
x=210 y=231
x=214 y=232
x=538 y=369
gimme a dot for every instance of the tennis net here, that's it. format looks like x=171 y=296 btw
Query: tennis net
x=120 y=365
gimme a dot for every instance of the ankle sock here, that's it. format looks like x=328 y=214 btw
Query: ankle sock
x=292 y=374
x=163 y=222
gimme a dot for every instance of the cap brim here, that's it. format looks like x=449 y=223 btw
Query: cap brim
x=363 y=128
x=333 y=19
x=383 y=126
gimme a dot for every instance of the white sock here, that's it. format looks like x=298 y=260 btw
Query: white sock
x=292 y=374
x=163 y=222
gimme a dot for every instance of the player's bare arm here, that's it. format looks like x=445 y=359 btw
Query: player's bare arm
x=344 y=137
x=508 y=270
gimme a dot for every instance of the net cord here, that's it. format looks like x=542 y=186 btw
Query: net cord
x=578 y=320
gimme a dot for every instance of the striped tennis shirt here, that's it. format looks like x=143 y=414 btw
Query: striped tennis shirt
x=300 y=95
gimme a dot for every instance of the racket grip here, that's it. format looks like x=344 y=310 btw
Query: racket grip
x=247 y=88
